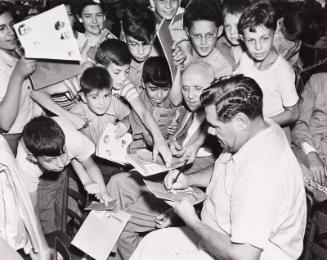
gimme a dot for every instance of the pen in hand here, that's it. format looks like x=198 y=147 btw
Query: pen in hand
x=178 y=174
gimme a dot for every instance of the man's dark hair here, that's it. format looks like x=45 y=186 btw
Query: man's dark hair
x=139 y=22
x=113 y=50
x=95 y=78
x=235 y=6
x=44 y=137
x=261 y=13
x=156 y=71
x=203 y=10
x=236 y=94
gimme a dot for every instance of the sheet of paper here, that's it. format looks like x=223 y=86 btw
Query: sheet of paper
x=50 y=72
x=48 y=35
x=166 y=42
x=111 y=148
x=100 y=206
x=193 y=194
x=99 y=233
x=143 y=163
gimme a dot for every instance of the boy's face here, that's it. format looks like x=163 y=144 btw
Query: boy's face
x=92 y=18
x=259 y=43
x=118 y=74
x=156 y=95
x=8 y=41
x=140 y=51
x=166 y=8
x=53 y=163
x=203 y=35
x=230 y=27
x=98 y=101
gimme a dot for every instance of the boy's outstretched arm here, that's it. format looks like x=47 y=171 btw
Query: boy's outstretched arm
x=160 y=145
x=88 y=168
x=288 y=116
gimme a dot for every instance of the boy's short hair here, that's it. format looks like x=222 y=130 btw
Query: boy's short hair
x=139 y=22
x=44 y=137
x=261 y=13
x=7 y=7
x=95 y=78
x=156 y=71
x=79 y=5
x=298 y=24
x=234 y=6
x=113 y=50
x=203 y=10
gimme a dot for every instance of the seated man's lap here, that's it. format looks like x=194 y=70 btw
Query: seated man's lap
x=170 y=243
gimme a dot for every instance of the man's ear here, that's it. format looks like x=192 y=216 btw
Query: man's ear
x=82 y=95
x=31 y=158
x=242 y=120
x=220 y=31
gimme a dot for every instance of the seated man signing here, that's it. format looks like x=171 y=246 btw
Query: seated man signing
x=255 y=206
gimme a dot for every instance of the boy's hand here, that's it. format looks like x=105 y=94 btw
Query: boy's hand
x=24 y=68
x=176 y=149
x=93 y=41
x=120 y=129
x=92 y=188
x=104 y=197
x=77 y=121
x=164 y=219
x=179 y=55
x=163 y=149
x=172 y=128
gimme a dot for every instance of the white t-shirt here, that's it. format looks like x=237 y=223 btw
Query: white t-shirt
x=78 y=147
x=27 y=107
x=277 y=84
x=257 y=196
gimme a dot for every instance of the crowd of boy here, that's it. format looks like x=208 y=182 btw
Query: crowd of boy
x=234 y=82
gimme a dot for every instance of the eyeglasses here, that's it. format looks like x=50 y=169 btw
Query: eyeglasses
x=208 y=37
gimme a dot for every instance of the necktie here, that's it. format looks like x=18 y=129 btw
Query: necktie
x=180 y=137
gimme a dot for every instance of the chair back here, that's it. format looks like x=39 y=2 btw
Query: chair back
x=60 y=250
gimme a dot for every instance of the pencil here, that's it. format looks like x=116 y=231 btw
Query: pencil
x=179 y=172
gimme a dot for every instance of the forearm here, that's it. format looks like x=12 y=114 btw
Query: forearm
x=175 y=94
x=45 y=100
x=288 y=116
x=80 y=171
x=216 y=243
x=10 y=103
x=95 y=175
x=153 y=128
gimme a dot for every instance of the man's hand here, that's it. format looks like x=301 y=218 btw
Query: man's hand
x=185 y=210
x=164 y=219
x=181 y=183
x=317 y=167
x=190 y=153
x=163 y=149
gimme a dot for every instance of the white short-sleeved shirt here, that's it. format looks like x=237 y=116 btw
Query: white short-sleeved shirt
x=78 y=147
x=27 y=107
x=257 y=196
x=277 y=84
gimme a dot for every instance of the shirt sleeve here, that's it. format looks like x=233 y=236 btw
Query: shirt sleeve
x=252 y=208
x=301 y=132
x=129 y=91
x=286 y=85
x=30 y=172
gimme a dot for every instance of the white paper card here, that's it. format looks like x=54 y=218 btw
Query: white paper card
x=100 y=232
x=48 y=35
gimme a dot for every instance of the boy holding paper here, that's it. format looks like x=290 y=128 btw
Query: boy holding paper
x=155 y=94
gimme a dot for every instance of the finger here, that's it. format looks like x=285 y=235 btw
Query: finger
x=168 y=180
x=154 y=155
